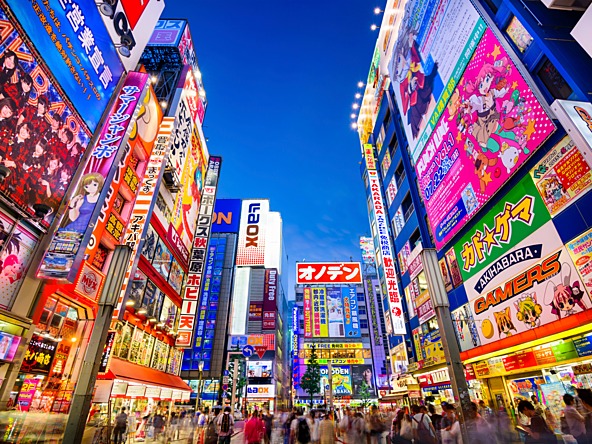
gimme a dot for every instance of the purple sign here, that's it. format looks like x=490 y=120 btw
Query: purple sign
x=269 y=299
x=167 y=32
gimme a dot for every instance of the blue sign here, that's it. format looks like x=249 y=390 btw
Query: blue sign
x=226 y=216
x=583 y=346
x=351 y=315
x=248 y=351
x=72 y=39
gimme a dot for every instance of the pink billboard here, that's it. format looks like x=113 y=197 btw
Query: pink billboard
x=491 y=125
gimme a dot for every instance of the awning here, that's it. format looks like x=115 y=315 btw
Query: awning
x=120 y=369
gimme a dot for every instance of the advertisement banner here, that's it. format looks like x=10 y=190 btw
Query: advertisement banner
x=336 y=312
x=425 y=309
x=320 y=321
x=367 y=248
x=307 y=309
x=226 y=216
x=269 y=299
x=26 y=394
x=41 y=136
x=260 y=391
x=492 y=124
x=576 y=118
x=362 y=375
x=251 y=236
x=167 y=32
x=260 y=369
x=445 y=274
x=8 y=346
x=455 y=275
x=580 y=250
x=328 y=273
x=340 y=378
x=198 y=253
x=65 y=251
x=562 y=176
x=465 y=328
x=39 y=355
x=351 y=319
x=255 y=311
x=433 y=46
x=77 y=50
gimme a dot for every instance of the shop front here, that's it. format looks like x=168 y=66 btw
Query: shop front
x=436 y=387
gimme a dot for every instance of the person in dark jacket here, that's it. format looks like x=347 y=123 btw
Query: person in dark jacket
x=538 y=431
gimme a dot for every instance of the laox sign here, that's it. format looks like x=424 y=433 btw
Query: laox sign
x=253 y=225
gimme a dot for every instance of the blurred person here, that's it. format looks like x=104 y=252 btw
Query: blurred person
x=402 y=428
x=450 y=427
x=268 y=422
x=436 y=419
x=345 y=422
x=210 y=436
x=300 y=429
x=254 y=429
x=585 y=396
x=375 y=425
x=225 y=426
x=286 y=427
x=316 y=423
x=423 y=429
x=576 y=423
x=327 y=430
x=538 y=432
x=120 y=427
x=159 y=425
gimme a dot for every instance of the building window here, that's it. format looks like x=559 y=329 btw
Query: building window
x=362 y=310
x=361 y=298
x=553 y=80
x=364 y=323
x=518 y=34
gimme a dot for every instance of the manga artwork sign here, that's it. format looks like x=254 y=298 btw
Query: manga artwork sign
x=518 y=274
x=491 y=125
x=435 y=41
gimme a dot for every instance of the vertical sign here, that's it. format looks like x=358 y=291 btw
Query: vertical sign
x=251 y=235
x=351 y=317
x=307 y=305
x=137 y=226
x=64 y=254
x=387 y=272
x=198 y=254
x=269 y=299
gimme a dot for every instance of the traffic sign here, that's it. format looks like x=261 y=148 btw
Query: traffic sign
x=260 y=349
x=248 y=351
x=226 y=373
x=225 y=387
x=225 y=379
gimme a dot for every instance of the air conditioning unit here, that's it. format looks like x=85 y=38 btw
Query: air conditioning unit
x=567 y=5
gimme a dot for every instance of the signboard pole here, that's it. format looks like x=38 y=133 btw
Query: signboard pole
x=330 y=371
x=90 y=367
x=234 y=381
x=456 y=370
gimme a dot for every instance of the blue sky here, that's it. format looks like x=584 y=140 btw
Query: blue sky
x=280 y=79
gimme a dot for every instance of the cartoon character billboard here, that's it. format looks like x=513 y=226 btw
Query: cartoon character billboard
x=491 y=125
x=518 y=274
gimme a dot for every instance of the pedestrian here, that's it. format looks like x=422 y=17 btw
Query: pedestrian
x=300 y=429
x=585 y=396
x=268 y=421
x=450 y=428
x=575 y=424
x=402 y=428
x=375 y=425
x=159 y=424
x=436 y=419
x=344 y=423
x=423 y=429
x=327 y=430
x=225 y=426
x=316 y=422
x=254 y=430
x=538 y=432
x=120 y=427
x=211 y=435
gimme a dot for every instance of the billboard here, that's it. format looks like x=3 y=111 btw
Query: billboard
x=320 y=321
x=367 y=248
x=251 y=235
x=270 y=299
x=260 y=390
x=130 y=24
x=77 y=50
x=41 y=137
x=307 y=311
x=340 y=377
x=191 y=294
x=75 y=230
x=226 y=216
x=491 y=126
x=260 y=369
x=328 y=273
x=562 y=176
x=336 y=312
x=363 y=375
x=465 y=328
x=580 y=250
x=518 y=274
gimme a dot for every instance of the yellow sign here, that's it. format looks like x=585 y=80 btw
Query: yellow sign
x=334 y=345
x=335 y=361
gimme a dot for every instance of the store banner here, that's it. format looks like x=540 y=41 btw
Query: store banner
x=204 y=302
x=367 y=248
x=351 y=318
x=66 y=250
x=429 y=56
x=255 y=311
x=75 y=45
x=106 y=355
x=320 y=321
x=270 y=299
x=26 y=394
x=252 y=232
x=191 y=294
x=227 y=213
x=501 y=124
x=307 y=309
x=452 y=262
x=576 y=118
x=328 y=273
x=445 y=274
x=336 y=312
x=465 y=328
x=8 y=346
x=580 y=250
x=39 y=355
x=425 y=308
x=562 y=176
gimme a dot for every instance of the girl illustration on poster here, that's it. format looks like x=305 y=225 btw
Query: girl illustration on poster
x=83 y=204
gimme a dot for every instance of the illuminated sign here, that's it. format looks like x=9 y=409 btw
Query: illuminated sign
x=260 y=391
x=106 y=355
x=328 y=273
x=269 y=299
x=307 y=308
x=227 y=214
x=251 y=237
x=333 y=345
x=89 y=282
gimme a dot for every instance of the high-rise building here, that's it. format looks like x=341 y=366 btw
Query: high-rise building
x=462 y=155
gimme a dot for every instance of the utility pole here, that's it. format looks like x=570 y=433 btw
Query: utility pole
x=90 y=366
x=330 y=371
x=456 y=369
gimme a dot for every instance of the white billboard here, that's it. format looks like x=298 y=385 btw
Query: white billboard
x=252 y=232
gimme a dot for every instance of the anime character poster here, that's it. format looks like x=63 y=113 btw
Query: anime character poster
x=465 y=328
x=445 y=274
x=41 y=137
x=491 y=125
x=452 y=263
x=15 y=255
x=435 y=41
x=580 y=250
x=562 y=176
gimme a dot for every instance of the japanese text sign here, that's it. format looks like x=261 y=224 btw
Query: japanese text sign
x=270 y=299
x=39 y=355
x=328 y=273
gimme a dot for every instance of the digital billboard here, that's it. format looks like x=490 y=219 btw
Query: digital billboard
x=328 y=273
x=260 y=369
x=340 y=377
x=270 y=289
x=362 y=375
x=41 y=137
x=518 y=274
x=434 y=43
x=251 y=236
x=491 y=126
x=77 y=49
x=66 y=248
x=226 y=216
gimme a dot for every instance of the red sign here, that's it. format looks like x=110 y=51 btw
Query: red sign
x=520 y=360
x=89 y=282
x=260 y=350
x=328 y=273
x=178 y=247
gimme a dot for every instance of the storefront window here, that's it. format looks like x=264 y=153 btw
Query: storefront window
x=518 y=34
x=554 y=81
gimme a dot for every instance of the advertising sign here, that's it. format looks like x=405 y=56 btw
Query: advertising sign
x=320 y=321
x=227 y=214
x=336 y=312
x=89 y=282
x=351 y=321
x=519 y=275
x=26 y=394
x=367 y=247
x=65 y=252
x=580 y=250
x=39 y=355
x=433 y=47
x=106 y=355
x=562 y=176
x=465 y=328
x=576 y=118
x=251 y=235
x=77 y=50
x=425 y=309
x=260 y=369
x=43 y=113
x=130 y=23
x=138 y=229
x=260 y=391
x=167 y=32
x=455 y=275
x=328 y=273
x=255 y=311
x=340 y=378
x=8 y=346
x=198 y=253
x=307 y=309
x=363 y=375
x=492 y=124
x=269 y=299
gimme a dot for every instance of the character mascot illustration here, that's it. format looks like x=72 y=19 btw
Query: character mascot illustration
x=528 y=310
